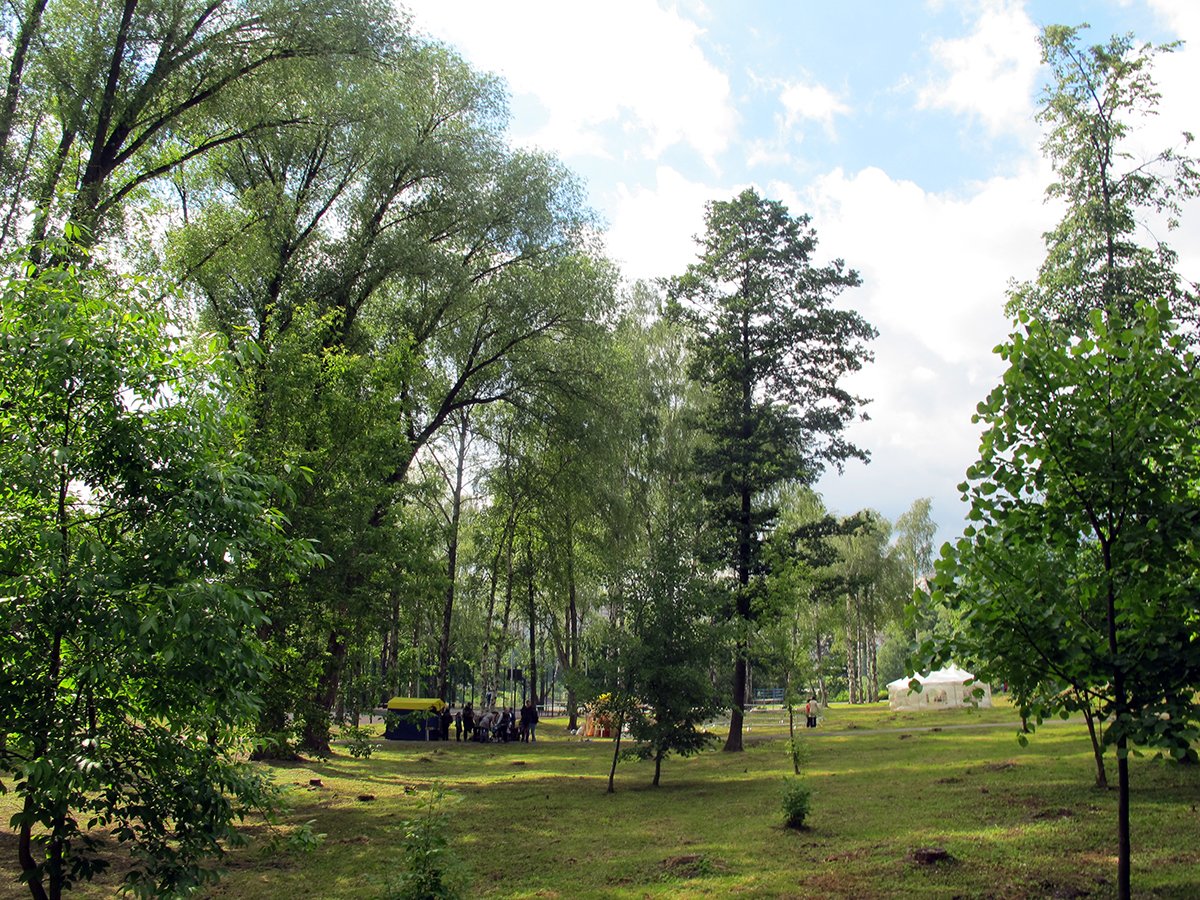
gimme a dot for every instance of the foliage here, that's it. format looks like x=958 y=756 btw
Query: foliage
x=915 y=530
x=359 y=741
x=670 y=653
x=429 y=864
x=800 y=752
x=1095 y=258
x=132 y=525
x=105 y=101
x=1076 y=580
x=797 y=802
x=1087 y=470
x=772 y=348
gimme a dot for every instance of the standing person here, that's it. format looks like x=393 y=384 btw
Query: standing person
x=468 y=720
x=533 y=720
x=502 y=728
x=458 y=723
x=514 y=732
x=525 y=723
x=447 y=721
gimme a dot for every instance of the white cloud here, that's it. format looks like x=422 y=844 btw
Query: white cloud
x=935 y=269
x=811 y=102
x=760 y=152
x=653 y=229
x=625 y=63
x=991 y=73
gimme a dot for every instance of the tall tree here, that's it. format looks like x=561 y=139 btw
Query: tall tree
x=1096 y=256
x=661 y=641
x=1086 y=523
x=104 y=100
x=773 y=348
x=395 y=225
x=1083 y=502
x=134 y=520
x=874 y=585
x=915 y=530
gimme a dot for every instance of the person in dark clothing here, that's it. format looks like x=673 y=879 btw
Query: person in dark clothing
x=529 y=720
x=468 y=721
x=525 y=723
x=502 y=728
x=458 y=726
x=447 y=721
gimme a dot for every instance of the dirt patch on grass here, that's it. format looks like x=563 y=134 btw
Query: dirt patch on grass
x=930 y=856
x=847 y=855
x=1059 y=891
x=1060 y=813
x=691 y=865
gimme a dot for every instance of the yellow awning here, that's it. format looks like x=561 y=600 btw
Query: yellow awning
x=416 y=704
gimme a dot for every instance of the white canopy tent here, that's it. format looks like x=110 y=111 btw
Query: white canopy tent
x=944 y=689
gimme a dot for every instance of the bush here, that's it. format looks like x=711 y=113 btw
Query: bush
x=358 y=741
x=796 y=803
x=430 y=869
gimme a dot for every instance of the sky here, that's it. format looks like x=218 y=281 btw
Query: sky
x=906 y=130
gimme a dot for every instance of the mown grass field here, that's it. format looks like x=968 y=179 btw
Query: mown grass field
x=535 y=820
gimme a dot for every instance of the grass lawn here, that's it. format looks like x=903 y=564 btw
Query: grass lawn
x=535 y=820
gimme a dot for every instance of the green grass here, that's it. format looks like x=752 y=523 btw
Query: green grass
x=535 y=820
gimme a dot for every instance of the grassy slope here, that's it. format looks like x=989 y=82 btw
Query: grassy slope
x=535 y=821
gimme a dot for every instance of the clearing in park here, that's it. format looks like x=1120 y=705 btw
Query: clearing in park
x=890 y=792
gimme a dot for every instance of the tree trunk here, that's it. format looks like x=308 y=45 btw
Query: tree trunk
x=612 y=772
x=1122 y=710
x=316 y=724
x=502 y=547
x=1097 y=749
x=851 y=652
x=391 y=673
x=494 y=676
x=460 y=465
x=25 y=854
x=572 y=627
x=1124 y=850
x=16 y=71
x=824 y=692
x=791 y=705
x=658 y=758
x=531 y=678
x=734 y=741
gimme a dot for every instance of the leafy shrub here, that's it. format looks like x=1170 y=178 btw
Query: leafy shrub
x=358 y=740
x=430 y=868
x=796 y=803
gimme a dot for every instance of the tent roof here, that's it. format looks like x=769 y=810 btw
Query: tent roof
x=423 y=704
x=950 y=675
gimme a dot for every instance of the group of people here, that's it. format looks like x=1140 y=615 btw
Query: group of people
x=492 y=725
